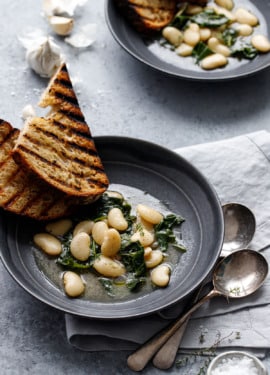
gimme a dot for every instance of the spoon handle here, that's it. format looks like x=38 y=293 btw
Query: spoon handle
x=164 y=358
x=139 y=359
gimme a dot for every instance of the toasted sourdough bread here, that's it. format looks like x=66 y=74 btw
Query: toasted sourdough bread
x=59 y=148
x=22 y=192
x=147 y=16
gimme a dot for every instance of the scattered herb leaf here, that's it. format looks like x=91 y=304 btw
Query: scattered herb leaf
x=209 y=18
x=164 y=232
x=200 y=51
x=229 y=36
x=107 y=285
x=244 y=51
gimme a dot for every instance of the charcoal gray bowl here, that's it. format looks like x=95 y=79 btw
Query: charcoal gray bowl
x=167 y=177
x=134 y=44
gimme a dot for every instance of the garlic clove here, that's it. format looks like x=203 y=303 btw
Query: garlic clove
x=61 y=7
x=61 y=25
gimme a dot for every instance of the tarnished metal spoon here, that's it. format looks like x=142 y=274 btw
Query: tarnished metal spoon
x=240 y=226
x=165 y=356
x=237 y=275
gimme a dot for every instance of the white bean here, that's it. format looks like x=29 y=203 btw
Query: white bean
x=59 y=227
x=214 y=61
x=73 y=284
x=244 y=30
x=149 y=214
x=172 y=35
x=114 y=194
x=80 y=246
x=99 y=230
x=231 y=17
x=160 y=276
x=227 y=4
x=108 y=267
x=143 y=223
x=205 y=34
x=111 y=243
x=193 y=9
x=147 y=252
x=116 y=219
x=85 y=226
x=244 y=16
x=217 y=47
x=154 y=259
x=191 y=37
x=261 y=43
x=48 y=243
x=194 y=26
x=145 y=237
x=184 y=50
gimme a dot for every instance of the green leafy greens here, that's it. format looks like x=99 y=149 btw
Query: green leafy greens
x=164 y=232
x=131 y=253
x=244 y=51
x=200 y=51
x=220 y=26
x=209 y=18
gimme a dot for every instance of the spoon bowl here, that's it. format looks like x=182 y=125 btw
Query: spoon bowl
x=238 y=275
x=240 y=226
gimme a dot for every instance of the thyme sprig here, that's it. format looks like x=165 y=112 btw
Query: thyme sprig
x=204 y=355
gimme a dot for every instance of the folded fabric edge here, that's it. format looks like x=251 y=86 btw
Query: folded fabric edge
x=261 y=138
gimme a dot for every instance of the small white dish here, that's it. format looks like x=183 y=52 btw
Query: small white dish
x=236 y=360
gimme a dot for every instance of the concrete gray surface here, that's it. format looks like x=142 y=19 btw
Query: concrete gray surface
x=119 y=96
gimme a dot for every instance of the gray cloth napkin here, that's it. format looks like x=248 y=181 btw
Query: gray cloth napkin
x=239 y=169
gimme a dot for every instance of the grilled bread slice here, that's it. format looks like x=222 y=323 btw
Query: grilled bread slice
x=59 y=148
x=147 y=16
x=22 y=192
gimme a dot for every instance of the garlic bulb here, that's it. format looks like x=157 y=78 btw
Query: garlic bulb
x=44 y=57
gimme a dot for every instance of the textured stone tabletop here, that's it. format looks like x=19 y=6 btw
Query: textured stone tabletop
x=119 y=96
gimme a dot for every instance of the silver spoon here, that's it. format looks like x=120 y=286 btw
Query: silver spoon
x=165 y=356
x=240 y=226
x=237 y=275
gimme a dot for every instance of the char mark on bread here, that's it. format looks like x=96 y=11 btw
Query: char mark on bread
x=22 y=192
x=61 y=96
x=59 y=148
x=147 y=16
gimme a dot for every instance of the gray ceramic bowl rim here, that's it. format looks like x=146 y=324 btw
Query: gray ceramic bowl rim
x=171 y=179
x=236 y=353
x=134 y=45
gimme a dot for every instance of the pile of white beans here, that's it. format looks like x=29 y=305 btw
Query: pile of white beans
x=106 y=233
x=243 y=20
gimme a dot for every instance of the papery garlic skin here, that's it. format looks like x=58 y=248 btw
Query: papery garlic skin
x=61 y=7
x=28 y=112
x=44 y=58
x=84 y=37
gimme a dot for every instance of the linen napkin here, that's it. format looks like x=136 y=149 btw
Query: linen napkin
x=239 y=170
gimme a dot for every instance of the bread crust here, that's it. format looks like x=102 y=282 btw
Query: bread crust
x=22 y=192
x=59 y=148
x=147 y=16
